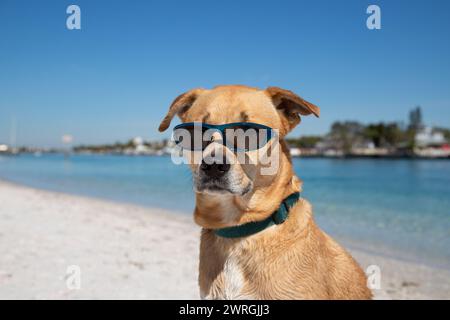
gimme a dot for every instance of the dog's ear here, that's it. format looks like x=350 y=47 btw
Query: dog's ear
x=291 y=106
x=179 y=106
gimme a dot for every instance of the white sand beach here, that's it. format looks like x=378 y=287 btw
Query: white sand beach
x=130 y=252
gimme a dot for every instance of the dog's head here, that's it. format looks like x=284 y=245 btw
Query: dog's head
x=219 y=170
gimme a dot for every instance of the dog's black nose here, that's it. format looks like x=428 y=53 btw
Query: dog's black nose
x=215 y=170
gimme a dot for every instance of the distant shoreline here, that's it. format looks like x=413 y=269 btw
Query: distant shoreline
x=371 y=157
x=339 y=157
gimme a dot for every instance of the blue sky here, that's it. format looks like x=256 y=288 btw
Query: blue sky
x=115 y=78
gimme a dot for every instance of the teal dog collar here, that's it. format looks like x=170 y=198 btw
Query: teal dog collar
x=247 y=229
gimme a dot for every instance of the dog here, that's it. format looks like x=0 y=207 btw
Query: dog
x=244 y=252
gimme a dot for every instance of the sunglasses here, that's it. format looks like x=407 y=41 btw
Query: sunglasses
x=239 y=136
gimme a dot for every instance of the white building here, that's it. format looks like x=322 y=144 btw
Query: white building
x=138 y=141
x=295 y=152
x=428 y=137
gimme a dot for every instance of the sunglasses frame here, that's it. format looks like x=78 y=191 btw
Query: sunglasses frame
x=222 y=127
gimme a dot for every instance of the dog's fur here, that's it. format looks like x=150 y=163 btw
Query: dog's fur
x=294 y=260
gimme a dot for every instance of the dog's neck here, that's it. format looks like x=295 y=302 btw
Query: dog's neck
x=219 y=211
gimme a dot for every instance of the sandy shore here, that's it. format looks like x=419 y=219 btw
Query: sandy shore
x=125 y=251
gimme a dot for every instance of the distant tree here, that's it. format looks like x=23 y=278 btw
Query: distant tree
x=373 y=132
x=393 y=134
x=447 y=135
x=130 y=144
x=383 y=135
x=344 y=135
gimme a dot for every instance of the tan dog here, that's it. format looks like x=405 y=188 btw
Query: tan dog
x=292 y=260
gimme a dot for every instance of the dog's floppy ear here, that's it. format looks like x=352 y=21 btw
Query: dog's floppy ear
x=291 y=106
x=179 y=106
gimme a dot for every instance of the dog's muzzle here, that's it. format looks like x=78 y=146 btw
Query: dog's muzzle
x=214 y=170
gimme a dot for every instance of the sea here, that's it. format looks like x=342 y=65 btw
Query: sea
x=392 y=207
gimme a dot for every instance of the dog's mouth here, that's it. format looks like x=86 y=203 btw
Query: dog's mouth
x=213 y=186
x=215 y=190
x=218 y=187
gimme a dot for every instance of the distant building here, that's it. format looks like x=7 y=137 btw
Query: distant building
x=295 y=152
x=427 y=137
x=4 y=148
x=139 y=147
x=364 y=144
x=138 y=141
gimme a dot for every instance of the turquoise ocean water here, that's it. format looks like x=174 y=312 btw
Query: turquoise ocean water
x=394 y=207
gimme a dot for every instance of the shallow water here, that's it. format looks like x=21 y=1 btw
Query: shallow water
x=394 y=207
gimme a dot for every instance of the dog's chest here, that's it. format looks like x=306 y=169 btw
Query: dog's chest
x=230 y=284
x=233 y=279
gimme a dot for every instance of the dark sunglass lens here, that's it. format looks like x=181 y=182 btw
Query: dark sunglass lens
x=246 y=137
x=211 y=134
x=189 y=137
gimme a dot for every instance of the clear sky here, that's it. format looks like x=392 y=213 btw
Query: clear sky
x=115 y=78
